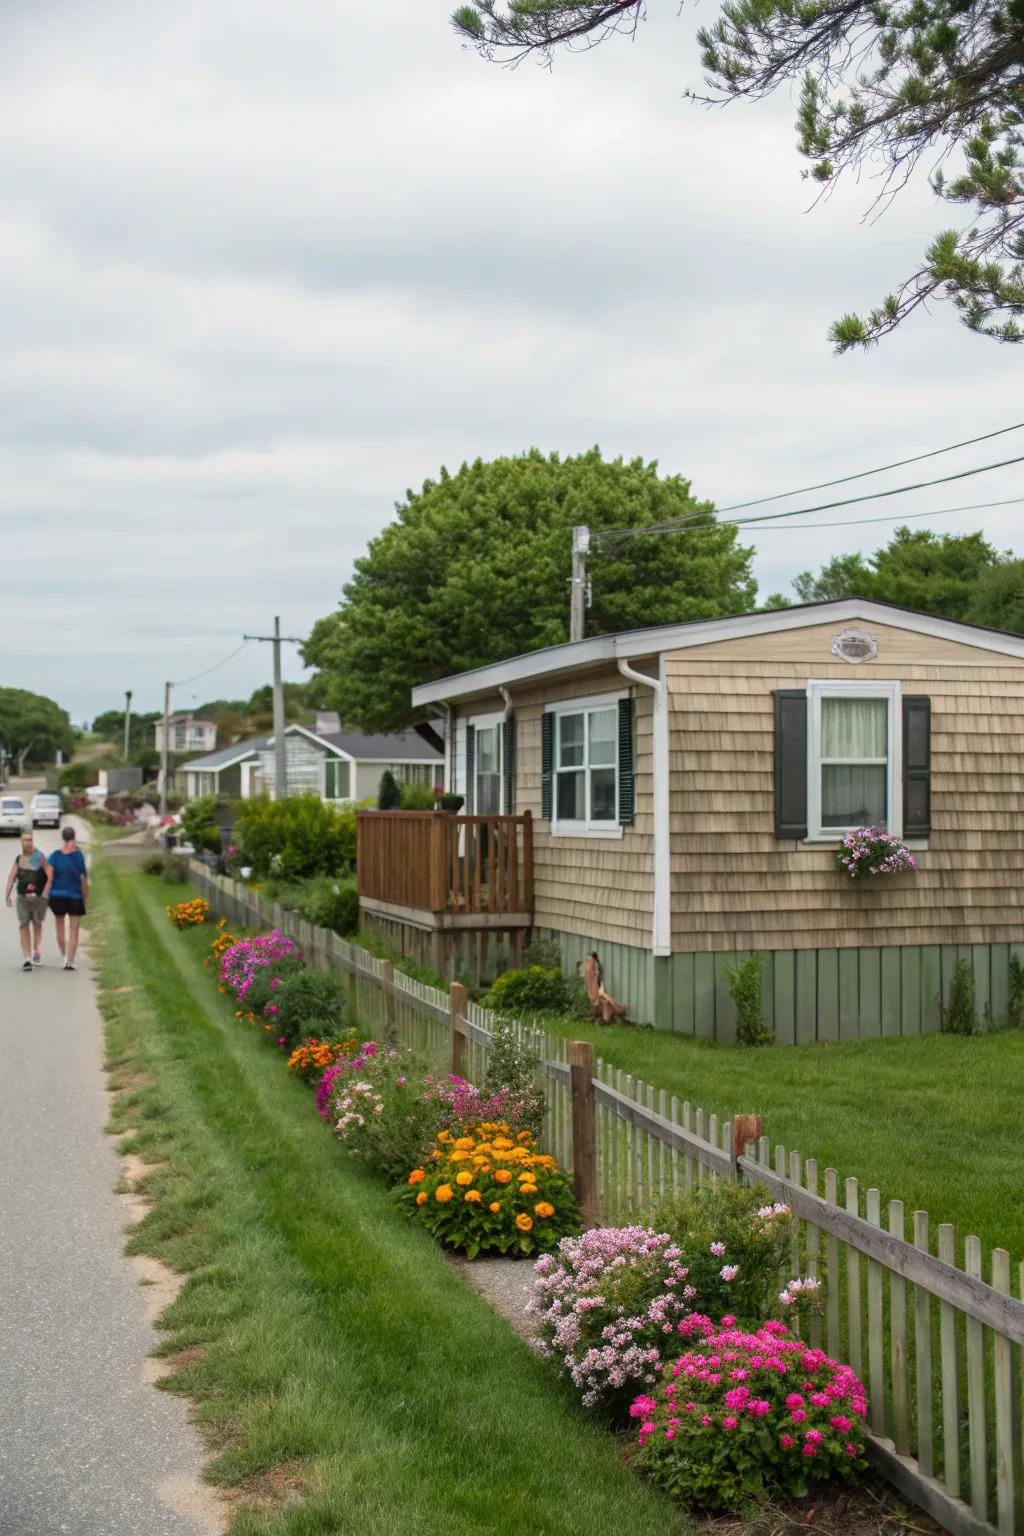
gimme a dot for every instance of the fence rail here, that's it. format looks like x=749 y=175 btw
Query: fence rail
x=941 y=1345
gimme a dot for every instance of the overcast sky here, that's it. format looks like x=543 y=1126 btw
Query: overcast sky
x=265 y=266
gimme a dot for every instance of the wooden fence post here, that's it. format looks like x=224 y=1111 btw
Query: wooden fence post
x=458 y=1010
x=584 y=1131
x=353 y=998
x=387 y=977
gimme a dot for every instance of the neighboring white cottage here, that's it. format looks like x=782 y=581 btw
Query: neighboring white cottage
x=337 y=765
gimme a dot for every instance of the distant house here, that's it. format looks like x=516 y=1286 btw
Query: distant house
x=338 y=765
x=186 y=734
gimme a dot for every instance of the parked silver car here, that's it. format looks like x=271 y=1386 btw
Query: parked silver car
x=45 y=810
x=13 y=815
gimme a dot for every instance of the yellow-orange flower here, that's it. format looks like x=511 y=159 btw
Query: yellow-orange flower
x=464 y=1178
x=417 y=1176
x=527 y=1189
x=422 y=1197
x=543 y=1209
x=457 y=1157
x=525 y=1136
x=494 y=1206
x=444 y=1136
x=502 y=1143
x=465 y=1143
x=503 y=1176
x=524 y=1223
x=443 y=1192
x=472 y=1195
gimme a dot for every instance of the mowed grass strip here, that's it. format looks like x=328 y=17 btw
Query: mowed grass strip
x=932 y=1120
x=330 y=1348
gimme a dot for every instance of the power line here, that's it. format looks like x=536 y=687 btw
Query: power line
x=217 y=665
x=863 y=474
x=616 y=534
x=895 y=517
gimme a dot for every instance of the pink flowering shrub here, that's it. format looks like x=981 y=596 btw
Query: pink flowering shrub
x=374 y=1102
x=607 y=1305
x=459 y=1104
x=252 y=969
x=745 y=1415
x=873 y=851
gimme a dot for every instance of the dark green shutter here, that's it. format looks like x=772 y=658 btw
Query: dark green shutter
x=470 y=769
x=917 y=766
x=790 y=762
x=547 y=752
x=627 y=787
x=508 y=763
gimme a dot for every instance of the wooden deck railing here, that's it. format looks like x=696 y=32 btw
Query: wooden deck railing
x=440 y=863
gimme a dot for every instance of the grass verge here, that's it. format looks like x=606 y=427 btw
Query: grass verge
x=345 y=1378
x=931 y=1120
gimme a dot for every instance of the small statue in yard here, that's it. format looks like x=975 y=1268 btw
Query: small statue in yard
x=604 y=1006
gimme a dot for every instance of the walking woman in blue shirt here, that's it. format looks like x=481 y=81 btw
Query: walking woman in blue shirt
x=68 y=892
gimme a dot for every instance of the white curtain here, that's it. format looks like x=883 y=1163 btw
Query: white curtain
x=852 y=729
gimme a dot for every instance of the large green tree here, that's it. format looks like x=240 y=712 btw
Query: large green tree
x=476 y=567
x=109 y=724
x=883 y=83
x=954 y=575
x=33 y=728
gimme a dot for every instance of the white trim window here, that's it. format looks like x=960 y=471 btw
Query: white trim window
x=854 y=759
x=337 y=778
x=586 y=767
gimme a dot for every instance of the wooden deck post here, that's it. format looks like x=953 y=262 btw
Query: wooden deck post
x=387 y=976
x=584 y=1131
x=458 y=1009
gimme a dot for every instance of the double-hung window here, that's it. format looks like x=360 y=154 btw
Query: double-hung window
x=586 y=761
x=337 y=779
x=487 y=770
x=854 y=758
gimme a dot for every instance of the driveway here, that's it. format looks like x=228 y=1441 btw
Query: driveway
x=87 y=1446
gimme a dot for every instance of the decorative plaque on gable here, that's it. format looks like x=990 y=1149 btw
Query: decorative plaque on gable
x=854 y=645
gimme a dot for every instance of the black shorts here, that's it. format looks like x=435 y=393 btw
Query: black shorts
x=67 y=906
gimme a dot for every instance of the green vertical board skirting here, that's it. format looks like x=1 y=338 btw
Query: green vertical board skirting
x=784 y=996
x=849 y=994
x=890 y=991
x=931 y=989
x=806 y=996
x=869 y=962
x=910 y=987
x=704 y=996
x=828 y=994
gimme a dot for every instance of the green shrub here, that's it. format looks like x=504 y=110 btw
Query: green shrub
x=510 y=1064
x=296 y=837
x=323 y=900
x=389 y=796
x=199 y=820
x=745 y=983
x=1015 y=1009
x=543 y=952
x=416 y=797
x=735 y=1222
x=77 y=776
x=172 y=867
x=960 y=1015
x=309 y=1003
x=535 y=989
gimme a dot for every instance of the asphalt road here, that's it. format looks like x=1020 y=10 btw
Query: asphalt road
x=87 y=1445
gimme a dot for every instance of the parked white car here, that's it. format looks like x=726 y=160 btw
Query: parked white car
x=13 y=815
x=46 y=810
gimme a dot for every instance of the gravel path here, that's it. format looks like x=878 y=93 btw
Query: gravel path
x=86 y=1445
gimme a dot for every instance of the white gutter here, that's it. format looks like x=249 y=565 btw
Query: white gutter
x=661 y=923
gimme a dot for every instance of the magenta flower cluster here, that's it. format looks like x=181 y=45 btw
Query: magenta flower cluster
x=341 y=1068
x=607 y=1304
x=250 y=959
x=873 y=851
x=738 y=1404
x=460 y=1103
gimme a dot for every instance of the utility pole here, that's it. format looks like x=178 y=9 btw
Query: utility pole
x=164 y=748
x=127 y=721
x=280 y=760
x=578 y=583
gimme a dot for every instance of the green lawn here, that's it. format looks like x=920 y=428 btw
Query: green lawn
x=330 y=1345
x=933 y=1121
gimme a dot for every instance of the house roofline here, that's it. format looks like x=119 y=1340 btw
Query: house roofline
x=633 y=643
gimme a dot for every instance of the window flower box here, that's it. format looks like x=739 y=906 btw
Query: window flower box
x=873 y=852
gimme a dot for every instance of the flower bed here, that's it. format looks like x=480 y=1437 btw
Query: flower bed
x=490 y=1191
x=743 y=1415
x=188 y=914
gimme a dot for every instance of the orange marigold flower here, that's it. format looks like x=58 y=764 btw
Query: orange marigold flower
x=464 y=1178
x=543 y=1209
x=465 y=1143
x=443 y=1193
x=494 y=1206
x=472 y=1195
x=417 y=1176
x=524 y=1223
x=421 y=1197
x=502 y=1176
